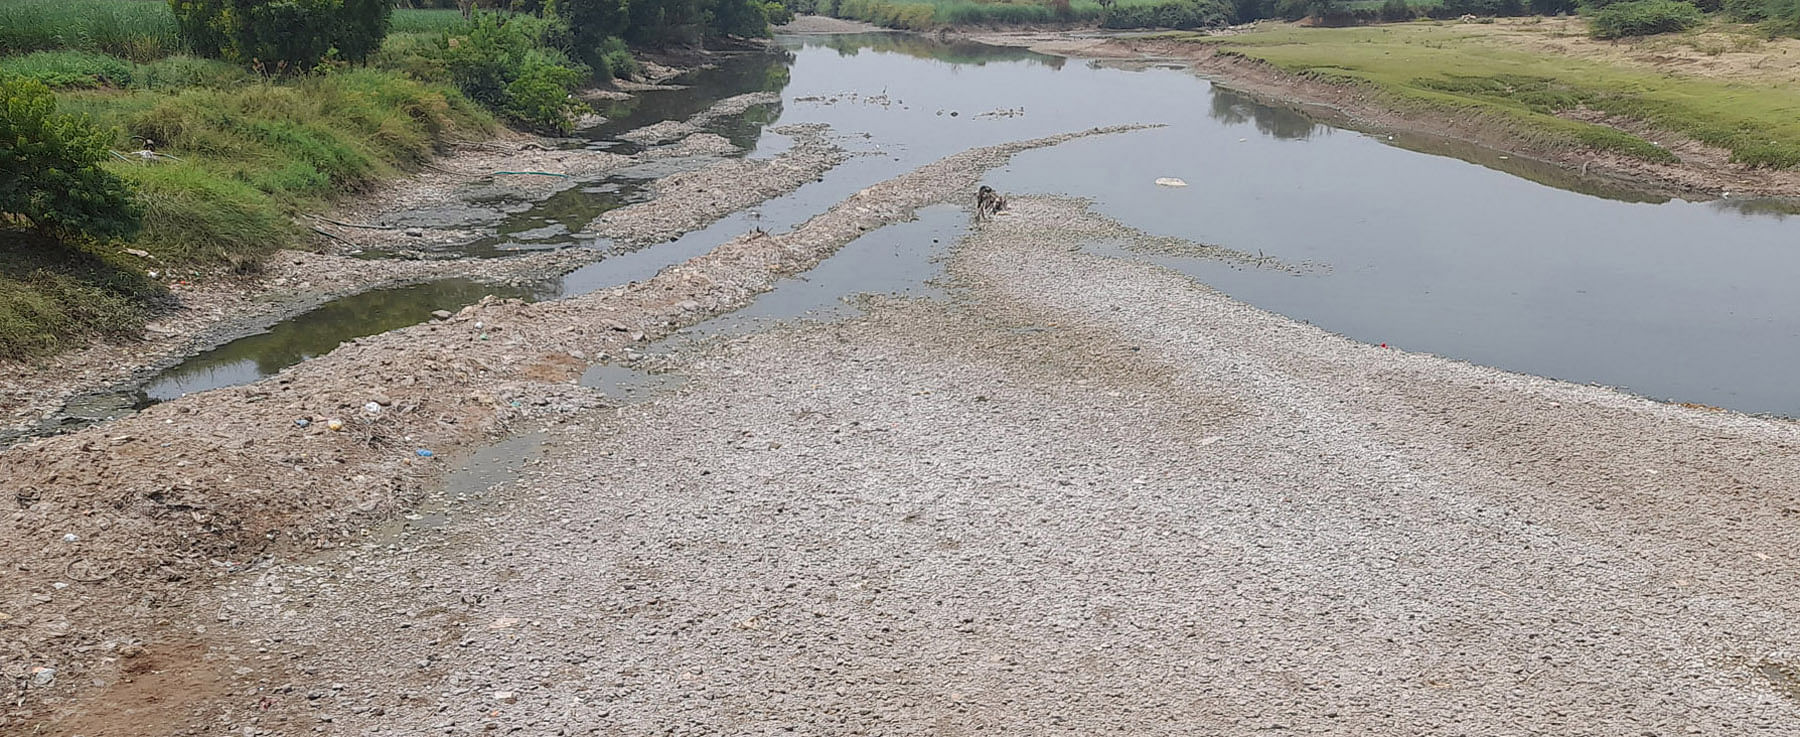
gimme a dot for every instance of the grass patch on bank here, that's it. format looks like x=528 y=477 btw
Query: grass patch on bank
x=52 y=297
x=1448 y=69
x=139 y=30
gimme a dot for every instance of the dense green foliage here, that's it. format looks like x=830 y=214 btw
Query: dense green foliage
x=133 y=29
x=1169 y=14
x=51 y=166
x=1643 y=18
x=283 y=36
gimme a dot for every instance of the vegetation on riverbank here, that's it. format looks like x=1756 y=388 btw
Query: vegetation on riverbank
x=1471 y=70
x=219 y=155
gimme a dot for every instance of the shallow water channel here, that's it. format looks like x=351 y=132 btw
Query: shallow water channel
x=1426 y=245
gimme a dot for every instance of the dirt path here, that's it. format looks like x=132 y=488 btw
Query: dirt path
x=1087 y=496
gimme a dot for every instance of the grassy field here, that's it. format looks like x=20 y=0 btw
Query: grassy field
x=1482 y=69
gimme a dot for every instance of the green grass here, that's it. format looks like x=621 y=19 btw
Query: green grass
x=1445 y=69
x=52 y=297
x=139 y=30
x=428 y=21
x=254 y=154
x=921 y=15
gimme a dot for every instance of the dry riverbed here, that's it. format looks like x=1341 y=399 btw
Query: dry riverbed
x=1086 y=495
x=118 y=526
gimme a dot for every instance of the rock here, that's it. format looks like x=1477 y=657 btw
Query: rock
x=140 y=253
x=1170 y=182
x=506 y=697
x=441 y=314
x=415 y=233
x=381 y=399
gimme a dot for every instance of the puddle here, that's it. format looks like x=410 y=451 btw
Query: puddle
x=486 y=468
x=903 y=259
x=284 y=344
x=556 y=222
x=1785 y=678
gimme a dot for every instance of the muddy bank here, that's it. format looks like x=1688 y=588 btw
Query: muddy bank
x=1704 y=172
x=117 y=526
x=523 y=169
x=1086 y=496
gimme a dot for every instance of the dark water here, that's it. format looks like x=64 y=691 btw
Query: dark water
x=1430 y=245
x=318 y=331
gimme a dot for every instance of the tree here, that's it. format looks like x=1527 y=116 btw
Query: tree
x=50 y=174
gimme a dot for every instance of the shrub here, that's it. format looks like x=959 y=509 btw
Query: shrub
x=70 y=68
x=283 y=36
x=1643 y=18
x=616 y=60
x=1169 y=14
x=1396 y=10
x=778 y=14
x=54 y=179
x=539 y=96
x=503 y=64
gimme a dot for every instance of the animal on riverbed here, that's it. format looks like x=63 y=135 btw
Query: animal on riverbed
x=988 y=202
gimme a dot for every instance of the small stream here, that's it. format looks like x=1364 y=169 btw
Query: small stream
x=1429 y=245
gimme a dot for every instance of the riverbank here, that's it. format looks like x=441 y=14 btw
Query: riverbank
x=1704 y=123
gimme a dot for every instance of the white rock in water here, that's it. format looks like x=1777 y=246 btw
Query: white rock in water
x=1170 y=182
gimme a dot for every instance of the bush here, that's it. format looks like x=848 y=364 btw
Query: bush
x=70 y=68
x=54 y=179
x=1394 y=11
x=1169 y=14
x=283 y=36
x=616 y=60
x=1643 y=18
x=504 y=65
x=539 y=96
x=778 y=14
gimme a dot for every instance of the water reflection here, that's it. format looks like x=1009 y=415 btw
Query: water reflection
x=322 y=329
x=1236 y=108
x=956 y=52
x=1759 y=207
x=732 y=76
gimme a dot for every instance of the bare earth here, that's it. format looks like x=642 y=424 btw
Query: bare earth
x=1088 y=496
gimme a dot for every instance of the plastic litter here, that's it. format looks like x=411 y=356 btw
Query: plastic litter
x=1170 y=182
x=70 y=537
x=302 y=422
x=334 y=425
x=43 y=675
x=373 y=408
x=424 y=453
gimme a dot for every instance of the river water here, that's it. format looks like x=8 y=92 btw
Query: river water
x=1426 y=246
